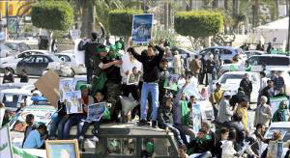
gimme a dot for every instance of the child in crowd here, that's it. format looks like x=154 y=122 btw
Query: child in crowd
x=99 y=97
x=30 y=126
x=35 y=139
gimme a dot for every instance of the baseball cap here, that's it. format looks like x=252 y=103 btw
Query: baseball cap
x=227 y=94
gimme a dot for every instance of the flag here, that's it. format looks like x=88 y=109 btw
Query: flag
x=20 y=153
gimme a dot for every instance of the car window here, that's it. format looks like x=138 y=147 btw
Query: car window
x=254 y=60
x=284 y=131
x=39 y=59
x=268 y=60
x=23 y=55
x=46 y=60
x=27 y=59
x=226 y=52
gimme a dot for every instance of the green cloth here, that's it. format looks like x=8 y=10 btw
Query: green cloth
x=106 y=115
x=233 y=67
x=21 y=153
x=184 y=112
x=102 y=48
x=99 y=82
x=249 y=68
x=149 y=147
x=84 y=86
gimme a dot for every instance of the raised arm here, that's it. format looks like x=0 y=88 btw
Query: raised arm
x=160 y=55
x=135 y=54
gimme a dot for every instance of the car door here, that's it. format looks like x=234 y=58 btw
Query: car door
x=42 y=64
x=23 y=64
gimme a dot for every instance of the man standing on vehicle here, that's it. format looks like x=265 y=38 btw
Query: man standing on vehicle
x=246 y=84
x=150 y=64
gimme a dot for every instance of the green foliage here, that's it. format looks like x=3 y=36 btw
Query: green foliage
x=198 y=23
x=52 y=15
x=120 y=21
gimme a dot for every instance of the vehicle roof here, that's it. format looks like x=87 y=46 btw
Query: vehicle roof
x=37 y=50
x=223 y=47
x=280 y=124
x=271 y=55
x=240 y=72
x=255 y=51
x=67 y=51
x=278 y=69
x=16 y=91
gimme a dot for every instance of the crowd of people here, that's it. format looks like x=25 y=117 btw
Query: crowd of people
x=159 y=107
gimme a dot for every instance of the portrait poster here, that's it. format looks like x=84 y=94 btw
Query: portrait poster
x=196 y=118
x=142 y=28
x=5 y=143
x=133 y=78
x=62 y=148
x=96 y=111
x=73 y=102
x=65 y=85
x=171 y=82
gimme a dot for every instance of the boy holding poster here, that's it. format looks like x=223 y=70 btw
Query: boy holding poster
x=95 y=113
x=76 y=118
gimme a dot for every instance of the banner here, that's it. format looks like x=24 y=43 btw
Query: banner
x=275 y=102
x=196 y=118
x=73 y=102
x=5 y=143
x=96 y=111
x=65 y=85
x=275 y=149
x=142 y=28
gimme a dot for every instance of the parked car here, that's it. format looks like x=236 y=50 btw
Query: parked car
x=36 y=64
x=11 y=61
x=17 y=46
x=270 y=60
x=69 y=59
x=226 y=54
x=230 y=81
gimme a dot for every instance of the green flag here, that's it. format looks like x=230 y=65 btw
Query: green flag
x=184 y=112
x=21 y=153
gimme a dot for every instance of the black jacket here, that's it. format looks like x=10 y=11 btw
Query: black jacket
x=90 y=48
x=150 y=65
x=237 y=98
x=246 y=85
x=210 y=65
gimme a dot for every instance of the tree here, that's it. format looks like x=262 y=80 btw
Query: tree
x=198 y=24
x=52 y=15
x=120 y=21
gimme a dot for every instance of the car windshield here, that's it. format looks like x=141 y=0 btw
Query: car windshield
x=4 y=47
x=24 y=46
x=231 y=76
x=284 y=131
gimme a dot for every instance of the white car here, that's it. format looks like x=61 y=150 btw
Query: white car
x=284 y=128
x=11 y=61
x=69 y=59
x=230 y=81
x=270 y=60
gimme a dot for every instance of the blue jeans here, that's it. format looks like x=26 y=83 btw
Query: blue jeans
x=60 y=127
x=154 y=90
x=73 y=120
x=56 y=118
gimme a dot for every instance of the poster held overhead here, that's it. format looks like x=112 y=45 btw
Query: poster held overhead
x=142 y=28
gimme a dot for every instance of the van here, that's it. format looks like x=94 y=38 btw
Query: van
x=270 y=60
